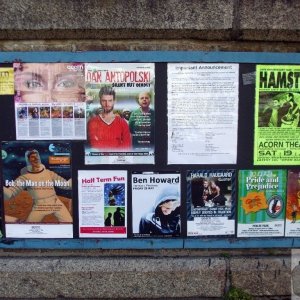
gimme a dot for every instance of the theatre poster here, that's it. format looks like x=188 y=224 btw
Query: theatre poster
x=261 y=203
x=277 y=114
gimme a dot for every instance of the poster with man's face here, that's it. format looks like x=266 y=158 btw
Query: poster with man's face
x=120 y=113
x=37 y=189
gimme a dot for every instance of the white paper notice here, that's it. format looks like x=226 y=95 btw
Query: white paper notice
x=202 y=113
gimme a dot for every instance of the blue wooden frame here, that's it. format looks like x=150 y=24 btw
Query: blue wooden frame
x=151 y=56
x=137 y=243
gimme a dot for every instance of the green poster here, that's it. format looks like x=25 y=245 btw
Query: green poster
x=261 y=203
x=277 y=115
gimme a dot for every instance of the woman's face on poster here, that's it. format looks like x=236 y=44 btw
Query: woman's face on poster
x=213 y=184
x=50 y=82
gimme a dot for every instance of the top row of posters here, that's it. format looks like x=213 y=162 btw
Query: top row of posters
x=111 y=106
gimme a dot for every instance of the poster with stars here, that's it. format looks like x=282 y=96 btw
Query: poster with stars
x=37 y=189
x=102 y=203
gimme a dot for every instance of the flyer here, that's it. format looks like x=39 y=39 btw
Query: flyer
x=202 y=113
x=292 y=222
x=210 y=202
x=261 y=203
x=6 y=81
x=277 y=112
x=102 y=203
x=156 y=204
x=37 y=189
x=50 y=101
x=120 y=113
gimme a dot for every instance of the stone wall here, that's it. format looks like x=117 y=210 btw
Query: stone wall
x=227 y=25
x=140 y=274
x=211 y=25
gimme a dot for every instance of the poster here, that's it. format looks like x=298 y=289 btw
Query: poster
x=50 y=101
x=156 y=204
x=120 y=109
x=6 y=81
x=210 y=202
x=37 y=189
x=102 y=203
x=202 y=113
x=292 y=222
x=277 y=100
x=261 y=203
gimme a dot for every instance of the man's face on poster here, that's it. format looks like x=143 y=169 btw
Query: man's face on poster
x=167 y=208
x=144 y=100
x=34 y=160
x=46 y=82
x=107 y=103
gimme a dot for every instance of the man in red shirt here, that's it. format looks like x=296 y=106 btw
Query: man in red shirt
x=107 y=130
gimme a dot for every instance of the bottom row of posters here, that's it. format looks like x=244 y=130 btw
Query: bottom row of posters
x=37 y=194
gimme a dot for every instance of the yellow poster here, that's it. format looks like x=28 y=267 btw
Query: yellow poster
x=6 y=81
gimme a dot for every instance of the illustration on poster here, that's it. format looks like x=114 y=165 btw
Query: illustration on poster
x=114 y=194
x=40 y=184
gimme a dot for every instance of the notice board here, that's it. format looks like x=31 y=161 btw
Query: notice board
x=149 y=149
